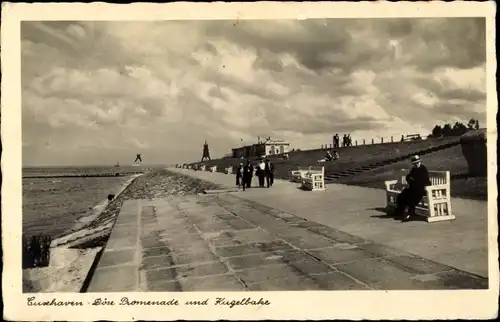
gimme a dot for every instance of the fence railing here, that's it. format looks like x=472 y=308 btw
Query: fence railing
x=381 y=140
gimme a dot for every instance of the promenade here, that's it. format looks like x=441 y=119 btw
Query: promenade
x=284 y=238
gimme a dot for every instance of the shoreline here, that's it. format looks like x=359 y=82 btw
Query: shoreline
x=84 y=222
x=70 y=263
x=73 y=255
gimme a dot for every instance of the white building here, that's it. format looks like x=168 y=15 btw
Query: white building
x=265 y=148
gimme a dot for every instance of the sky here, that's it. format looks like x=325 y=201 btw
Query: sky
x=101 y=92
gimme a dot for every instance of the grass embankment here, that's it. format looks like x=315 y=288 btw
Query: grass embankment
x=450 y=159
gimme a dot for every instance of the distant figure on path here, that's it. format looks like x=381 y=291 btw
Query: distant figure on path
x=336 y=155
x=417 y=180
x=269 y=171
x=261 y=172
x=336 y=141
x=247 y=174
x=138 y=158
x=240 y=182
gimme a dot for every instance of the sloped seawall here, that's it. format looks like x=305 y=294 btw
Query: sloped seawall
x=474 y=150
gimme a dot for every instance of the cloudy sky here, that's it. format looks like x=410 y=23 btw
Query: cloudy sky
x=99 y=92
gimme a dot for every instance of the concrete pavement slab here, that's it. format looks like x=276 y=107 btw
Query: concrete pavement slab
x=118 y=257
x=115 y=279
x=266 y=258
x=200 y=284
x=338 y=281
x=292 y=283
x=379 y=274
x=246 y=249
x=176 y=259
x=176 y=272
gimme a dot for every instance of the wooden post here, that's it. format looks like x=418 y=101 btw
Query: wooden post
x=363 y=141
x=373 y=141
x=321 y=146
x=392 y=139
x=381 y=140
x=356 y=142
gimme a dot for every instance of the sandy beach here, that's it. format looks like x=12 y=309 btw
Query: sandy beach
x=72 y=255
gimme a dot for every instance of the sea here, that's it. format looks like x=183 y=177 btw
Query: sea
x=54 y=206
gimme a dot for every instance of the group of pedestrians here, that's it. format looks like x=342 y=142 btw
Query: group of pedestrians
x=264 y=171
x=346 y=141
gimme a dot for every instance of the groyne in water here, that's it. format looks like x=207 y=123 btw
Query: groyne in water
x=83 y=175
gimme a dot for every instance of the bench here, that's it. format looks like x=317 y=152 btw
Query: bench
x=435 y=205
x=229 y=170
x=296 y=175
x=314 y=179
x=213 y=168
x=413 y=137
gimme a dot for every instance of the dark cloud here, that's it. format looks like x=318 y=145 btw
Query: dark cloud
x=451 y=42
x=268 y=61
x=328 y=43
x=217 y=92
x=448 y=92
x=397 y=28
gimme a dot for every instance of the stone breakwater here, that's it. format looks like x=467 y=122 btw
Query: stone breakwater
x=74 y=254
x=155 y=184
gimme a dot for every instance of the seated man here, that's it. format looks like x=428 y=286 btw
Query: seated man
x=336 y=155
x=417 y=180
x=328 y=157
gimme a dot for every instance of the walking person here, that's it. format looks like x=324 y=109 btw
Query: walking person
x=269 y=170
x=417 y=180
x=247 y=174
x=239 y=176
x=261 y=172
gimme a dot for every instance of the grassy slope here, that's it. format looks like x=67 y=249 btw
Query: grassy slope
x=449 y=159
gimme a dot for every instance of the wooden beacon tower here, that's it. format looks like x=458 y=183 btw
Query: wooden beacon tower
x=206 y=152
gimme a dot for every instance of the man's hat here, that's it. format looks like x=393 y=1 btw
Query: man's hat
x=415 y=159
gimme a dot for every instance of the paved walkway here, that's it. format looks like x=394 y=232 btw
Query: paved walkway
x=221 y=242
x=461 y=243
